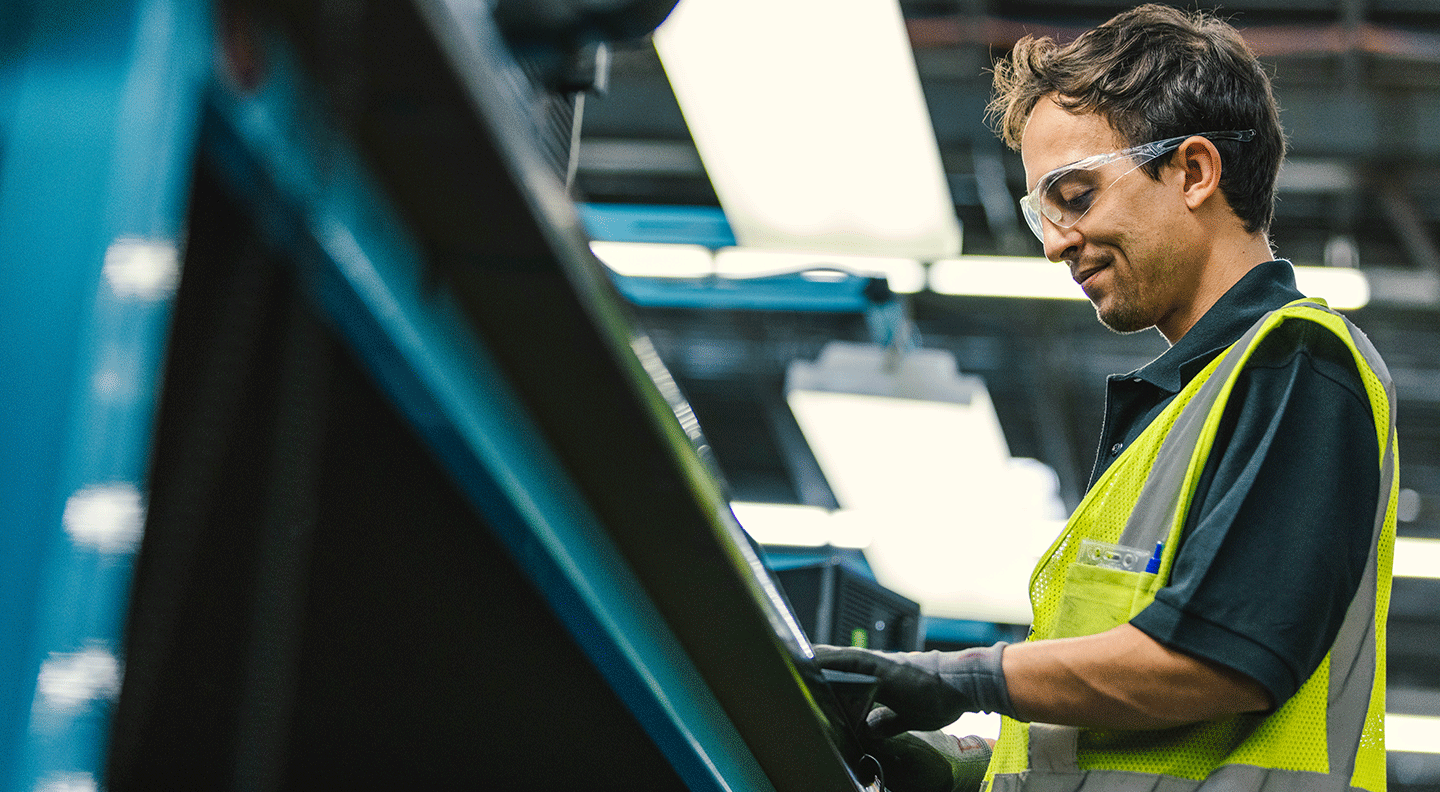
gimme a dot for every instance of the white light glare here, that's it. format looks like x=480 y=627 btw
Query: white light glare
x=1417 y=558
x=69 y=681
x=1004 y=276
x=660 y=260
x=878 y=451
x=1034 y=277
x=1028 y=277
x=654 y=260
x=800 y=526
x=1342 y=288
x=905 y=276
x=984 y=724
x=1412 y=733
x=109 y=518
x=1405 y=733
x=67 y=782
x=956 y=524
x=142 y=269
x=812 y=125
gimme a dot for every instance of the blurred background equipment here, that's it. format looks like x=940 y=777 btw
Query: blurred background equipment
x=841 y=605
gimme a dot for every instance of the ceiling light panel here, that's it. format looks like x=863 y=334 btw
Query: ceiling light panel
x=811 y=123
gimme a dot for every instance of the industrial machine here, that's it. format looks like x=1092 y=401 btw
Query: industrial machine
x=330 y=454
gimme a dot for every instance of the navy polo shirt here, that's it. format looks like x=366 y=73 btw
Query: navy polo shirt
x=1279 y=529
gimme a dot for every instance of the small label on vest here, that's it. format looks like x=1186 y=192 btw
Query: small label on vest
x=1113 y=556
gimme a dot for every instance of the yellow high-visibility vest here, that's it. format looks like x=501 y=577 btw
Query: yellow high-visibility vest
x=1328 y=736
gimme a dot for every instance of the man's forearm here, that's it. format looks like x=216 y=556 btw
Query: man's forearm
x=1122 y=679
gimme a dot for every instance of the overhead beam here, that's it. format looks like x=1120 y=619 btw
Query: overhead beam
x=640 y=157
x=1404 y=216
x=1349 y=34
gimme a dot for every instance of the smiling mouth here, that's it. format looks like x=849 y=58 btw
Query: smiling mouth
x=1083 y=277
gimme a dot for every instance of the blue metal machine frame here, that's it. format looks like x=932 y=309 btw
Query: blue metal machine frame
x=100 y=113
x=100 y=107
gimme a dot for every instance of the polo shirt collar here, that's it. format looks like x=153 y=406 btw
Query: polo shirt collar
x=1263 y=289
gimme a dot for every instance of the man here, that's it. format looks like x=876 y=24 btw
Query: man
x=1213 y=614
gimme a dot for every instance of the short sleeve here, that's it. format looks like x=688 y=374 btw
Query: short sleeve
x=1280 y=528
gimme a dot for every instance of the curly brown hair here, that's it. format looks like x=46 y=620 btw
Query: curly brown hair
x=1155 y=72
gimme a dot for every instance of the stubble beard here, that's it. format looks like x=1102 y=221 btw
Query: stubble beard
x=1135 y=301
x=1124 y=314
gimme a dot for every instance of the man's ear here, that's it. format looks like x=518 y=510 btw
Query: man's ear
x=1201 y=162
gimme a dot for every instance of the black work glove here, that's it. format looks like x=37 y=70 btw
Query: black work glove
x=932 y=761
x=924 y=691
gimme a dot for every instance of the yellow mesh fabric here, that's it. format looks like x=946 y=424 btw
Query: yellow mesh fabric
x=1102 y=513
x=1370 y=760
x=1370 y=763
x=1012 y=750
x=1293 y=738
x=1191 y=752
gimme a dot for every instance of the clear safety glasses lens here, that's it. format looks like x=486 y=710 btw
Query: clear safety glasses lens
x=1065 y=195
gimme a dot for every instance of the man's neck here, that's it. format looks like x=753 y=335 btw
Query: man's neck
x=1229 y=258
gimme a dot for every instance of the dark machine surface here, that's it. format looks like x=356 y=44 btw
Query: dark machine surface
x=340 y=582
x=845 y=607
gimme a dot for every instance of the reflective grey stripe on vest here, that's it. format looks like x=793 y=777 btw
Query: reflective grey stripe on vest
x=1052 y=749
x=1230 y=778
x=1351 y=683
x=1160 y=497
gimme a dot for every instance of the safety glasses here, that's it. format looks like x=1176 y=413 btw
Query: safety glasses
x=1065 y=195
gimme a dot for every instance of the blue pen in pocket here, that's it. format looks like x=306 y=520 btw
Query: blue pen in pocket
x=1154 y=565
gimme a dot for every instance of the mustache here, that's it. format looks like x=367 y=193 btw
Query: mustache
x=1088 y=264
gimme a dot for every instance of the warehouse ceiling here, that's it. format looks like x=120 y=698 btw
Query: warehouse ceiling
x=1359 y=86
x=1358 y=82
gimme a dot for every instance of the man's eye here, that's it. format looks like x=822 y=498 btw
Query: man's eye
x=1074 y=199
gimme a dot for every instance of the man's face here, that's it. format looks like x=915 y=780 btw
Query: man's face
x=1128 y=251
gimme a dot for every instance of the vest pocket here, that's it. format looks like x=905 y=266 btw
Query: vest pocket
x=1098 y=598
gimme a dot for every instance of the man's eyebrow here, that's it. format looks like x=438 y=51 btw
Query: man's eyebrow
x=1066 y=166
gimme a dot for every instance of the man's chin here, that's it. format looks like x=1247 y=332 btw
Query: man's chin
x=1119 y=319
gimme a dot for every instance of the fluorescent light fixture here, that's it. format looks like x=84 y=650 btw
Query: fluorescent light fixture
x=1412 y=733
x=663 y=260
x=1342 y=288
x=651 y=260
x=914 y=452
x=1036 y=278
x=1417 y=558
x=1407 y=733
x=905 y=276
x=811 y=123
x=805 y=526
x=1004 y=276
x=894 y=449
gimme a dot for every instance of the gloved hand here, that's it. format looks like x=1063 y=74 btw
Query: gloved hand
x=924 y=691
x=932 y=762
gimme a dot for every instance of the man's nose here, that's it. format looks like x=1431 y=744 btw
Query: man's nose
x=1057 y=241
